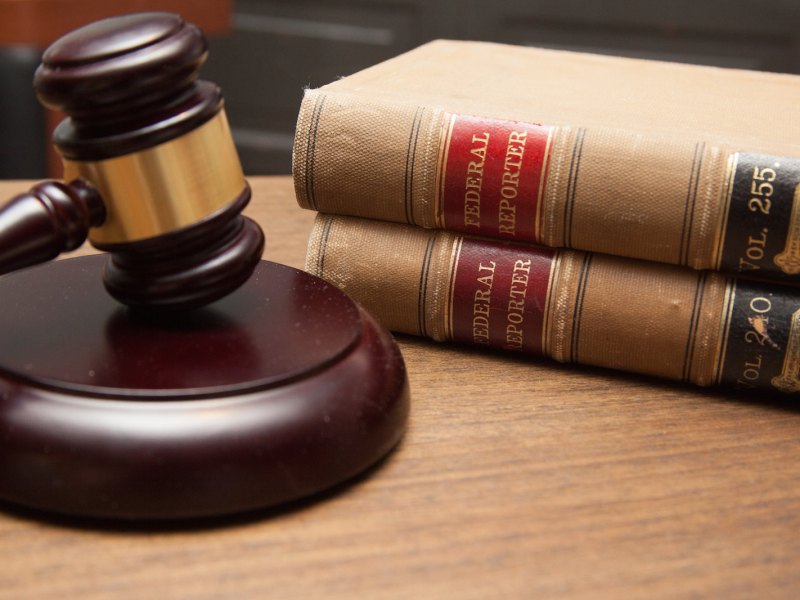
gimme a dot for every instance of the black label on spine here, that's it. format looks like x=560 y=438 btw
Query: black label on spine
x=763 y=342
x=762 y=234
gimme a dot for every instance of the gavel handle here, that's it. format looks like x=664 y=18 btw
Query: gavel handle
x=53 y=217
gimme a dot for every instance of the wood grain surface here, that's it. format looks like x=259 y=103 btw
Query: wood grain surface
x=516 y=479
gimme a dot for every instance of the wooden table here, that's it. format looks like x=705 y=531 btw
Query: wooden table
x=516 y=479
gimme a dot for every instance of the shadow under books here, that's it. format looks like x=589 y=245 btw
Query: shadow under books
x=587 y=377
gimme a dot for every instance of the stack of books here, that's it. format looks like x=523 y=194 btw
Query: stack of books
x=624 y=213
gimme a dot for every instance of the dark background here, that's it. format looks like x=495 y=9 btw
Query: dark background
x=277 y=47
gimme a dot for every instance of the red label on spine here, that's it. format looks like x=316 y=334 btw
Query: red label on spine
x=491 y=176
x=499 y=295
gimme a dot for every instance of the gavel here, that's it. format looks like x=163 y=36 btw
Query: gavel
x=151 y=173
x=168 y=412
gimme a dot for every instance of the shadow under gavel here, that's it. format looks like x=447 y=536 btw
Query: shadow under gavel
x=274 y=393
x=151 y=172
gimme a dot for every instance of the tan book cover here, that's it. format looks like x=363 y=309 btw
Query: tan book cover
x=667 y=162
x=572 y=306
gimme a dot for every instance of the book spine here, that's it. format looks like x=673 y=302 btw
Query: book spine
x=572 y=306
x=646 y=195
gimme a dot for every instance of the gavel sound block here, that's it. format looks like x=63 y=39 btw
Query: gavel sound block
x=201 y=380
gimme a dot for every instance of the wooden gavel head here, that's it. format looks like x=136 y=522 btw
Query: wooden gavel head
x=155 y=177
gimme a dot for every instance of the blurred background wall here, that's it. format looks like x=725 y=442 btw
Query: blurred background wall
x=269 y=50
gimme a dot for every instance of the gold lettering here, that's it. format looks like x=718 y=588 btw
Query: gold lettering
x=481 y=303
x=507 y=219
x=484 y=295
x=480 y=330
x=510 y=178
x=472 y=215
x=523 y=265
x=487 y=281
x=515 y=317
x=513 y=337
x=516 y=305
x=789 y=259
x=509 y=182
x=474 y=167
x=789 y=379
x=473 y=195
x=482 y=142
x=515 y=309
x=518 y=137
x=474 y=181
x=521 y=278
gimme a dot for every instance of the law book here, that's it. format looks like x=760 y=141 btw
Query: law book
x=572 y=306
x=680 y=164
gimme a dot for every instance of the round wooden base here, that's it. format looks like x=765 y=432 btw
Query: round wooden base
x=280 y=390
